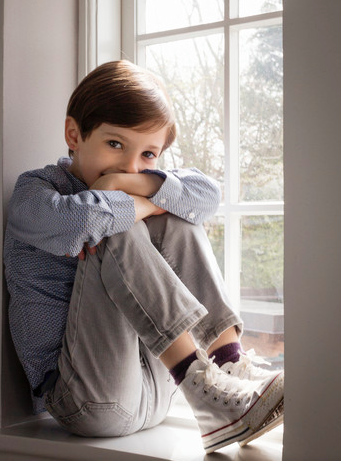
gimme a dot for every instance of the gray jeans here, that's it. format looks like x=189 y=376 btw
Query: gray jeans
x=130 y=301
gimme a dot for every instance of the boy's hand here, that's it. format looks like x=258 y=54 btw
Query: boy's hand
x=143 y=209
x=90 y=250
x=140 y=184
x=82 y=254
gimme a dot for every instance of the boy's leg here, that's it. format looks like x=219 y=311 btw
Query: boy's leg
x=227 y=408
x=88 y=419
x=187 y=250
x=125 y=294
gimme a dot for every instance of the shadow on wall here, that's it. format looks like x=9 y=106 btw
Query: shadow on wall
x=16 y=403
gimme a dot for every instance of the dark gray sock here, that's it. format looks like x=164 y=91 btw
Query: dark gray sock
x=227 y=353
x=179 y=371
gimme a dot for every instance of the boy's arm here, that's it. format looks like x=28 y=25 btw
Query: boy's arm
x=187 y=193
x=143 y=209
x=41 y=216
x=143 y=185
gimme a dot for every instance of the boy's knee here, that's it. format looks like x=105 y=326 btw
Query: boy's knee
x=137 y=231
x=169 y=222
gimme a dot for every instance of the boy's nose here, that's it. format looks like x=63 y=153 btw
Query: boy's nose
x=130 y=166
x=130 y=169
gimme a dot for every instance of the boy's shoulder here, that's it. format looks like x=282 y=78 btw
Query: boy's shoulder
x=56 y=175
x=48 y=171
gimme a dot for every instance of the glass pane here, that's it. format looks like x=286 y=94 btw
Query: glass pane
x=215 y=231
x=261 y=282
x=261 y=114
x=254 y=7
x=159 y=15
x=193 y=72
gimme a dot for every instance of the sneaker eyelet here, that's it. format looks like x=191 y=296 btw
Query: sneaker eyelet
x=229 y=372
x=226 y=402
x=205 y=391
x=238 y=403
x=215 y=398
x=194 y=383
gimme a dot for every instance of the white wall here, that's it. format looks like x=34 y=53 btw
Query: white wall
x=40 y=64
x=312 y=127
x=39 y=74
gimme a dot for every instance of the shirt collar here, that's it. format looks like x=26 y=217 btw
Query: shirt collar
x=64 y=163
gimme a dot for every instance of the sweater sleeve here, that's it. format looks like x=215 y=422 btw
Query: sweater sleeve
x=187 y=193
x=41 y=216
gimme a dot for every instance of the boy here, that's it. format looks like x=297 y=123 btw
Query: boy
x=97 y=333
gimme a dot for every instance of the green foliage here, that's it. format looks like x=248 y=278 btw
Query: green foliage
x=262 y=257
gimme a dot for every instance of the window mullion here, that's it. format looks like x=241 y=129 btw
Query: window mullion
x=141 y=54
x=129 y=30
x=231 y=130
x=108 y=30
x=259 y=20
x=141 y=18
x=232 y=9
x=87 y=38
x=180 y=34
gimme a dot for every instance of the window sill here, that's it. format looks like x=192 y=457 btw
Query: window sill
x=175 y=439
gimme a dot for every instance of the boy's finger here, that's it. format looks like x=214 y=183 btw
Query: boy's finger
x=91 y=250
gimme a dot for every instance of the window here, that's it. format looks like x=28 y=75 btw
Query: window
x=222 y=64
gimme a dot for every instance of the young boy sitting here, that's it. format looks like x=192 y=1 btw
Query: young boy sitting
x=113 y=283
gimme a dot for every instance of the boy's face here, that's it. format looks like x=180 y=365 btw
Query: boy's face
x=113 y=149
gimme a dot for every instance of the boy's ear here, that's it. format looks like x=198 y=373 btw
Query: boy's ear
x=72 y=133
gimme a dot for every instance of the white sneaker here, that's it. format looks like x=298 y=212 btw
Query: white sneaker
x=245 y=368
x=227 y=408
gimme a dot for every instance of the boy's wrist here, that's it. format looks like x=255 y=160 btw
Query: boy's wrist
x=144 y=208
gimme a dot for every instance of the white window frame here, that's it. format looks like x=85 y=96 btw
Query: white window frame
x=133 y=45
x=99 y=34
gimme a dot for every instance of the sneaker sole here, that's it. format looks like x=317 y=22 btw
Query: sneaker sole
x=274 y=420
x=240 y=431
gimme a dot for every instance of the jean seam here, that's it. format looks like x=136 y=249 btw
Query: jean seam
x=133 y=295
x=78 y=309
x=149 y=405
x=157 y=243
x=78 y=306
x=55 y=402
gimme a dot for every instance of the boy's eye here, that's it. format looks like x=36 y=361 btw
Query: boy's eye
x=149 y=154
x=115 y=144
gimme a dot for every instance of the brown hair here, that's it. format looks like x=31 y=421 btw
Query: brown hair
x=123 y=94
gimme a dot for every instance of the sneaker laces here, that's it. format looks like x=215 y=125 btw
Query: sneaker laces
x=250 y=356
x=212 y=375
x=245 y=365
